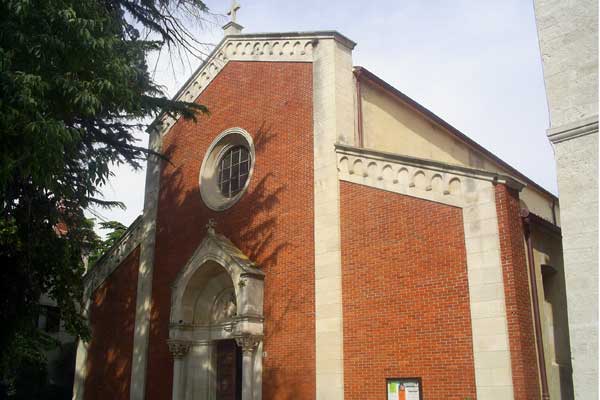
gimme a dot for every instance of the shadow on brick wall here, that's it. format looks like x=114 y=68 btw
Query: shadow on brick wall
x=269 y=224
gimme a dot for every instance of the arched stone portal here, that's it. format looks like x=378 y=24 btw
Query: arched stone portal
x=218 y=295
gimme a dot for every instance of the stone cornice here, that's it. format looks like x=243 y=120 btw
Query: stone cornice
x=109 y=262
x=272 y=47
x=338 y=37
x=572 y=130
x=207 y=326
x=431 y=165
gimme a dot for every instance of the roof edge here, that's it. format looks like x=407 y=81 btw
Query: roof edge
x=316 y=34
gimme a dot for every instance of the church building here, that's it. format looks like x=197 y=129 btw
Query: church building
x=320 y=235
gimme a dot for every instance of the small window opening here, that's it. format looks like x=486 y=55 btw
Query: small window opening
x=234 y=168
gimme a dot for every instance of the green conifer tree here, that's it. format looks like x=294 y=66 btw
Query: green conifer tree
x=74 y=87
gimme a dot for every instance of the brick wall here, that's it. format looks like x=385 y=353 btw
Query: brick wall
x=272 y=223
x=516 y=291
x=406 y=297
x=112 y=320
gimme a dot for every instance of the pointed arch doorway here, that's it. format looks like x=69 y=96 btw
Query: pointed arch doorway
x=216 y=324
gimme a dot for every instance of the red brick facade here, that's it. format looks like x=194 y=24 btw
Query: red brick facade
x=272 y=223
x=405 y=295
x=517 y=295
x=112 y=312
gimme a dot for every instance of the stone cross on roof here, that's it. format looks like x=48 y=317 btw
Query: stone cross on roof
x=232 y=27
x=235 y=6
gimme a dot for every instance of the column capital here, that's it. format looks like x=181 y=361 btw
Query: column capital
x=248 y=343
x=178 y=348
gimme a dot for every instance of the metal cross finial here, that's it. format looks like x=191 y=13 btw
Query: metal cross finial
x=235 y=6
x=210 y=226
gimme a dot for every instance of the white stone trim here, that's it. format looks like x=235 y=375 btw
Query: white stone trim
x=435 y=167
x=473 y=191
x=333 y=118
x=98 y=273
x=146 y=269
x=195 y=372
x=209 y=187
x=247 y=281
x=81 y=358
x=243 y=48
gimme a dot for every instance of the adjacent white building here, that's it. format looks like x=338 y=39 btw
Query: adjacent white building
x=568 y=35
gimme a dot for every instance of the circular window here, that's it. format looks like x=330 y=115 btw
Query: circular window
x=227 y=169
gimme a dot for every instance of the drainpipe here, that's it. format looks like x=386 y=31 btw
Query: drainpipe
x=536 y=306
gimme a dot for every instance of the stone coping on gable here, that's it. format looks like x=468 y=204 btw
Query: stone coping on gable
x=110 y=261
x=330 y=34
x=270 y=47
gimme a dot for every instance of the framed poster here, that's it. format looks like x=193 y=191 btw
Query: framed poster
x=404 y=389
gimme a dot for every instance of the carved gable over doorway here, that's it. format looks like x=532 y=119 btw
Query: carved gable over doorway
x=218 y=296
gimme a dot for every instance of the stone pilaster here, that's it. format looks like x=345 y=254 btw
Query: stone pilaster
x=179 y=350
x=248 y=344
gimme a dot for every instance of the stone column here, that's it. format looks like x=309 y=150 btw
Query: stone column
x=201 y=372
x=248 y=345
x=178 y=349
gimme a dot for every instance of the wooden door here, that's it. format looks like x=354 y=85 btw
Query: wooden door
x=229 y=371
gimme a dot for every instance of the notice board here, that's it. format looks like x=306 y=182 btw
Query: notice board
x=404 y=389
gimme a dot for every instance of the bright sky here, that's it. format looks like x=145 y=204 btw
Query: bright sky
x=474 y=63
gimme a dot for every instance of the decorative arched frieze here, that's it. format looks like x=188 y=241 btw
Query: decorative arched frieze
x=294 y=48
x=473 y=191
x=416 y=177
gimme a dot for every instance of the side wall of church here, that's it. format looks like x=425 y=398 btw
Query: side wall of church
x=112 y=311
x=272 y=223
x=517 y=295
x=406 y=295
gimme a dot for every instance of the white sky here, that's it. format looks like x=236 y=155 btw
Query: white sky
x=474 y=63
